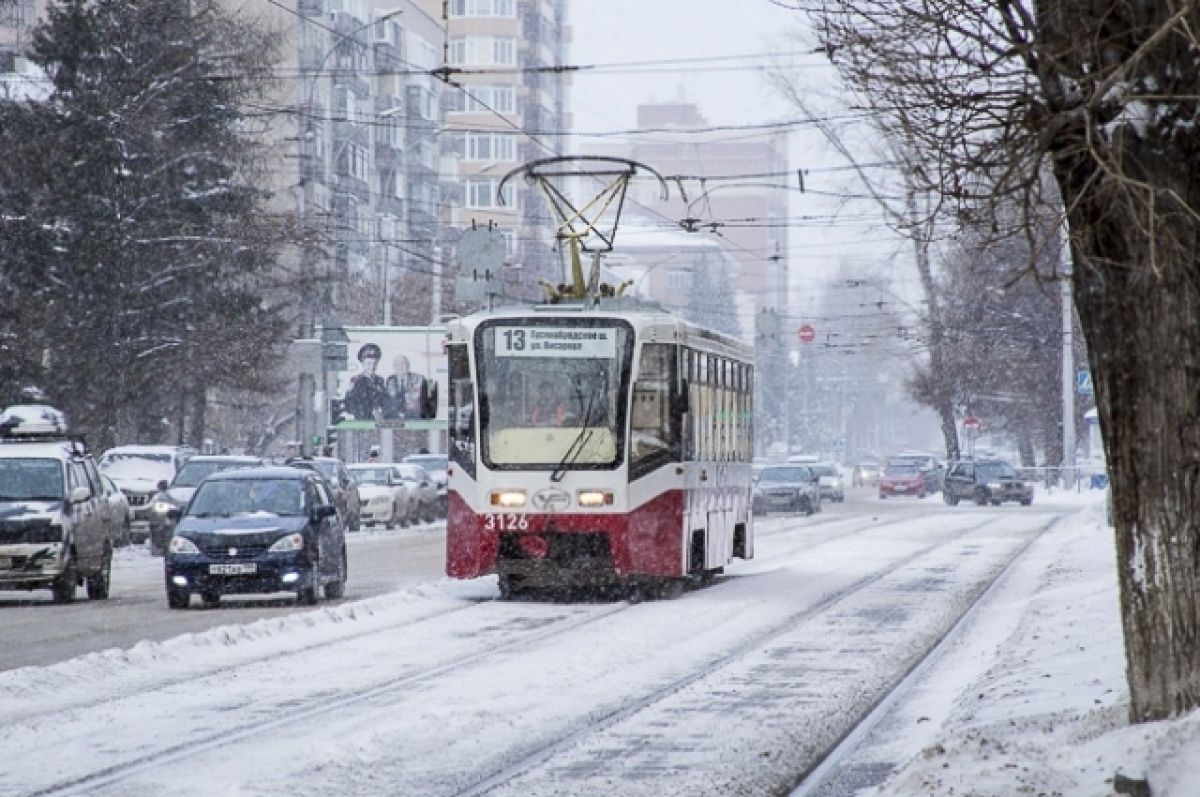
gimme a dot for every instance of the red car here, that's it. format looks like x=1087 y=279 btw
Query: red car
x=902 y=480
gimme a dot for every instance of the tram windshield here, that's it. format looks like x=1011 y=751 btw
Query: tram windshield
x=552 y=393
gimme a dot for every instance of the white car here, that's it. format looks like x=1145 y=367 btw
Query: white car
x=384 y=494
x=438 y=466
x=421 y=490
x=141 y=471
x=833 y=486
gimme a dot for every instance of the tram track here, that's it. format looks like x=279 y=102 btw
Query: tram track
x=293 y=714
x=387 y=691
x=598 y=725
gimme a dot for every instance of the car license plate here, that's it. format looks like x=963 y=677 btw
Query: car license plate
x=239 y=569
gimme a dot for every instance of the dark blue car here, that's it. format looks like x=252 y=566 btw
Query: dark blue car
x=258 y=530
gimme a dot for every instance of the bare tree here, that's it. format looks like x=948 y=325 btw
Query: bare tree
x=995 y=96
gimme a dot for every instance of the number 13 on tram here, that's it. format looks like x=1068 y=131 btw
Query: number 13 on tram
x=596 y=447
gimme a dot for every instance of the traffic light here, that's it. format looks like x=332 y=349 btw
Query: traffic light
x=337 y=411
x=331 y=436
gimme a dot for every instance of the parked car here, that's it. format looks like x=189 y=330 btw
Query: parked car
x=931 y=468
x=438 y=466
x=903 y=478
x=829 y=477
x=177 y=494
x=790 y=488
x=258 y=530
x=118 y=512
x=866 y=473
x=55 y=528
x=137 y=471
x=384 y=494
x=986 y=481
x=345 y=489
x=422 y=492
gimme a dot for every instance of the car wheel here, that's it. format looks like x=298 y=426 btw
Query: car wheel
x=404 y=520
x=125 y=539
x=210 y=599
x=995 y=503
x=431 y=515
x=177 y=599
x=336 y=589
x=1026 y=501
x=921 y=493
x=357 y=524
x=63 y=587
x=393 y=518
x=882 y=497
x=981 y=497
x=950 y=498
x=808 y=508
x=98 y=583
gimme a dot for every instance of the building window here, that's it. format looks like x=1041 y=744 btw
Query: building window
x=482 y=8
x=482 y=194
x=484 y=97
x=487 y=97
x=491 y=147
x=483 y=50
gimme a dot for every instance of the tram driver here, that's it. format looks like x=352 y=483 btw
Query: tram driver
x=549 y=409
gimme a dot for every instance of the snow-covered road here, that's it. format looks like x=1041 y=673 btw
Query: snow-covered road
x=442 y=690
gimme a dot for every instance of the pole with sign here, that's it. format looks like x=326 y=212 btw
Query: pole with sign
x=972 y=424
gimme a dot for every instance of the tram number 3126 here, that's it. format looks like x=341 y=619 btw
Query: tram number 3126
x=510 y=522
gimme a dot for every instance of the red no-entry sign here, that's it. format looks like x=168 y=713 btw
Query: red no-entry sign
x=972 y=423
x=807 y=333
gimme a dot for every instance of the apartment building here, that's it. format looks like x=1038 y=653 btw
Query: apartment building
x=495 y=52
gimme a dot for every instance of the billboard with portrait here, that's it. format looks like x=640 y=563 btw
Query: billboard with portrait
x=396 y=376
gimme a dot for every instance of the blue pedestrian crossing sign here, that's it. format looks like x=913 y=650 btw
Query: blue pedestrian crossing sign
x=1083 y=383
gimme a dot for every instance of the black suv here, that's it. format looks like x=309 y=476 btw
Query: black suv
x=985 y=481
x=258 y=530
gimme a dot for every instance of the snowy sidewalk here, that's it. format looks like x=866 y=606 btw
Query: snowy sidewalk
x=1031 y=698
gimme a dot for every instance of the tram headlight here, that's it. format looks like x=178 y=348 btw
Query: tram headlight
x=509 y=499
x=594 y=498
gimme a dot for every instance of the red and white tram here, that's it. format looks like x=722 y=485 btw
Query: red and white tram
x=603 y=445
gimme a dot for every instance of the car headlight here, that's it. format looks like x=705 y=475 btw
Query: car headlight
x=993 y=485
x=292 y=542
x=182 y=545
x=162 y=506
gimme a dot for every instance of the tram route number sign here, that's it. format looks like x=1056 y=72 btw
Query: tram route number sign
x=574 y=342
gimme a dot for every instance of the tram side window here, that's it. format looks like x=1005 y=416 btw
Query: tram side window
x=461 y=409
x=654 y=433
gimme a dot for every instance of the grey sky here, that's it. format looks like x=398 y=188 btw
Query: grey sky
x=608 y=31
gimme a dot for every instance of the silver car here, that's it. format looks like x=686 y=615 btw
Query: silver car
x=787 y=488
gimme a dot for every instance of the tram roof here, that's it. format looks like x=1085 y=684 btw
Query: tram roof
x=641 y=314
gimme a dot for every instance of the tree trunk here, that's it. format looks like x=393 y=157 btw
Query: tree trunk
x=1138 y=310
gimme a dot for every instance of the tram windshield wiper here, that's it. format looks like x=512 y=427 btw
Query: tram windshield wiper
x=577 y=445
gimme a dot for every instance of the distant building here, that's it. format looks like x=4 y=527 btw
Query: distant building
x=500 y=45
x=751 y=210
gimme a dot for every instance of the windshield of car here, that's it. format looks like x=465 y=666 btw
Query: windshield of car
x=412 y=473
x=780 y=475
x=145 y=465
x=901 y=470
x=824 y=470
x=429 y=461
x=996 y=470
x=31 y=480
x=328 y=469
x=370 y=475
x=195 y=471
x=230 y=497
